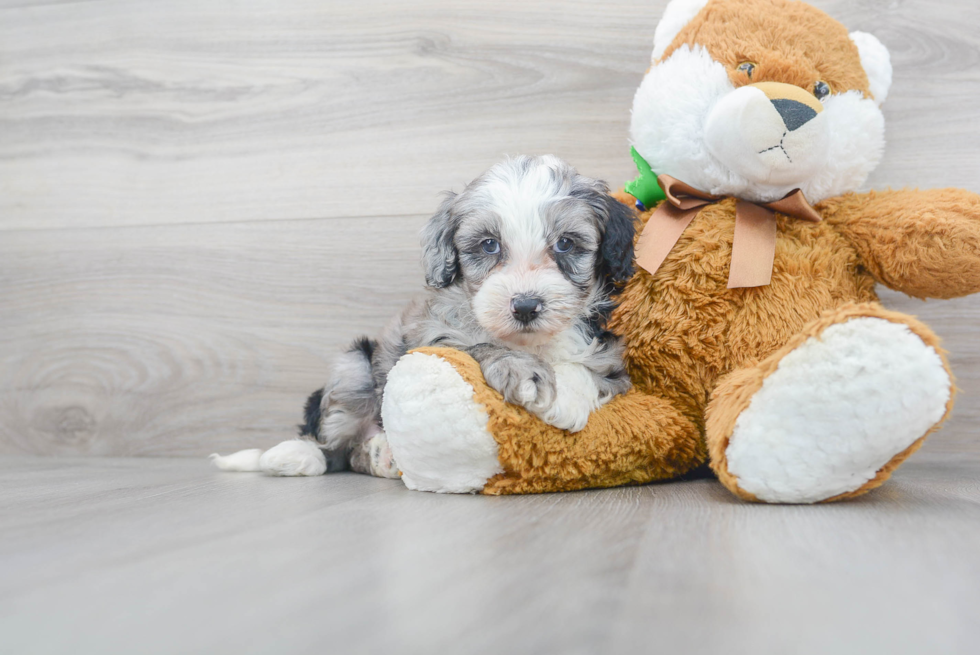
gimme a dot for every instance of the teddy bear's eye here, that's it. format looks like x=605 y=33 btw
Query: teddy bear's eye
x=821 y=89
x=746 y=67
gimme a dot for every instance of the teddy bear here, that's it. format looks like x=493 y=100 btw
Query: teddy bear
x=754 y=338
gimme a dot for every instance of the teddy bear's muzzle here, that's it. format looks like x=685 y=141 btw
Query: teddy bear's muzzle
x=771 y=133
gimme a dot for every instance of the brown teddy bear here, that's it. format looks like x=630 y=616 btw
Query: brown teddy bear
x=754 y=337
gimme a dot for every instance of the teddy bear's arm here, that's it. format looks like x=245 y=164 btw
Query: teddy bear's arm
x=923 y=243
x=449 y=431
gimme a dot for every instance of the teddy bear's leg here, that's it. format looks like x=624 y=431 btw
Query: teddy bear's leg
x=450 y=432
x=834 y=412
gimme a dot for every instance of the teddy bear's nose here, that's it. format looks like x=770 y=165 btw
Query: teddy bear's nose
x=795 y=106
x=794 y=114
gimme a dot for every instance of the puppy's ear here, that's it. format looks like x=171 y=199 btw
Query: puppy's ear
x=617 y=241
x=439 y=257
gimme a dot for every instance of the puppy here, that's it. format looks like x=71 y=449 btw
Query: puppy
x=521 y=268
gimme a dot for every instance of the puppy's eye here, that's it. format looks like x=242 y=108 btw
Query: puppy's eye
x=564 y=244
x=821 y=89
x=490 y=246
x=746 y=67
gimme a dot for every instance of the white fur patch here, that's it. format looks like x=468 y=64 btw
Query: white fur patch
x=520 y=201
x=576 y=397
x=243 y=460
x=670 y=109
x=857 y=141
x=876 y=62
x=293 y=458
x=669 y=123
x=746 y=133
x=676 y=17
x=491 y=304
x=836 y=410
x=436 y=430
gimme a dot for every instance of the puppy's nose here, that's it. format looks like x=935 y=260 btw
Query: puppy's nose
x=525 y=308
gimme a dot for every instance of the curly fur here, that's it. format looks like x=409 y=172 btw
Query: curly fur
x=530 y=230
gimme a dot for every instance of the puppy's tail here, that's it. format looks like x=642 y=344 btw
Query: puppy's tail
x=243 y=460
x=296 y=457
x=290 y=458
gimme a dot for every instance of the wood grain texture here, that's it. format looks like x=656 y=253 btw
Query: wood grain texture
x=170 y=340
x=201 y=202
x=136 y=112
x=162 y=556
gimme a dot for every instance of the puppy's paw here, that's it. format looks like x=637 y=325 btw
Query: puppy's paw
x=566 y=414
x=293 y=458
x=522 y=379
x=382 y=461
x=576 y=397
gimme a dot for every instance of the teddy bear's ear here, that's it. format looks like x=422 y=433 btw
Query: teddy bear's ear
x=677 y=14
x=876 y=63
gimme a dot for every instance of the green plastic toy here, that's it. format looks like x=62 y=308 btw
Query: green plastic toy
x=645 y=187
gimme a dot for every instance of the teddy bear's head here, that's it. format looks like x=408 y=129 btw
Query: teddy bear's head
x=755 y=98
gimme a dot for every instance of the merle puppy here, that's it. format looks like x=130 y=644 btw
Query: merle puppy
x=521 y=267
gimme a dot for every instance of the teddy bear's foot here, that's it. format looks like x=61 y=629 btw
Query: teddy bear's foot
x=833 y=413
x=437 y=431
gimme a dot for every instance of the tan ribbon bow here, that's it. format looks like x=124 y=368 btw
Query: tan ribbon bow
x=754 y=246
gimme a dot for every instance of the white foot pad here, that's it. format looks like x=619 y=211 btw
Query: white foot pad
x=436 y=430
x=836 y=410
x=293 y=458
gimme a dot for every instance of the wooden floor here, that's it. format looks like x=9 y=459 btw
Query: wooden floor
x=201 y=201
x=165 y=556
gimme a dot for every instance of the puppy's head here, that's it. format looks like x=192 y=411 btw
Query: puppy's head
x=754 y=98
x=535 y=246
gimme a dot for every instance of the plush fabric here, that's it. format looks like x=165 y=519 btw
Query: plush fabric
x=635 y=438
x=788 y=41
x=923 y=243
x=899 y=389
x=746 y=379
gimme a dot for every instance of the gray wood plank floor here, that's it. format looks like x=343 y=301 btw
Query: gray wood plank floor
x=165 y=556
x=201 y=202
